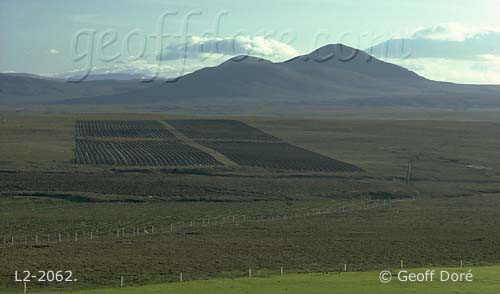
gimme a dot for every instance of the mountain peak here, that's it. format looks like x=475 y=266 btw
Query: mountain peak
x=247 y=59
x=339 y=52
x=332 y=52
x=334 y=47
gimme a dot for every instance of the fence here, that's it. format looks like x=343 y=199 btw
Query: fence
x=13 y=240
x=132 y=280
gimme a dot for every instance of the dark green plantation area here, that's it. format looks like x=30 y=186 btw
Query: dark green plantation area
x=278 y=156
x=122 y=129
x=140 y=153
x=220 y=129
x=238 y=142
x=374 y=217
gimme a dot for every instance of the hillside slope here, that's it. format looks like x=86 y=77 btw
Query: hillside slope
x=335 y=75
x=31 y=89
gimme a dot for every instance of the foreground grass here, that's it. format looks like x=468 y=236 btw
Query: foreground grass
x=485 y=281
x=431 y=231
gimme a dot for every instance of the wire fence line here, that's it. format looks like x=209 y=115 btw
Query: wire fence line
x=155 y=228
x=123 y=280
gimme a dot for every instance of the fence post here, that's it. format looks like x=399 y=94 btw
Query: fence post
x=181 y=278
x=281 y=271
x=249 y=273
x=345 y=267
x=402 y=264
x=121 y=282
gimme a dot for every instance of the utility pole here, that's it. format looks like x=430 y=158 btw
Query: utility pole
x=409 y=173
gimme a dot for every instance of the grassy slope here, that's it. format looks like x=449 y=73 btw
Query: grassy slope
x=485 y=281
x=433 y=230
x=17 y=90
x=430 y=232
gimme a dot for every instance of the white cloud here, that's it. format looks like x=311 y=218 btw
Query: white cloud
x=452 y=31
x=201 y=53
x=221 y=48
x=54 y=51
x=450 y=52
x=165 y=69
x=181 y=58
x=482 y=70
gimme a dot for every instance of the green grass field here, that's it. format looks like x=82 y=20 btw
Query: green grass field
x=485 y=281
x=449 y=212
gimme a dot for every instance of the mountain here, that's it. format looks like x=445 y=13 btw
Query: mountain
x=334 y=75
x=28 y=75
x=32 y=89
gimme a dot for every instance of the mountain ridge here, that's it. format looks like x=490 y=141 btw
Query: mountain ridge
x=334 y=74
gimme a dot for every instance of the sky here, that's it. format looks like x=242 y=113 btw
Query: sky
x=69 y=37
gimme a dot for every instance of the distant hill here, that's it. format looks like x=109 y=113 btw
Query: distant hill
x=32 y=89
x=334 y=75
x=29 y=75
